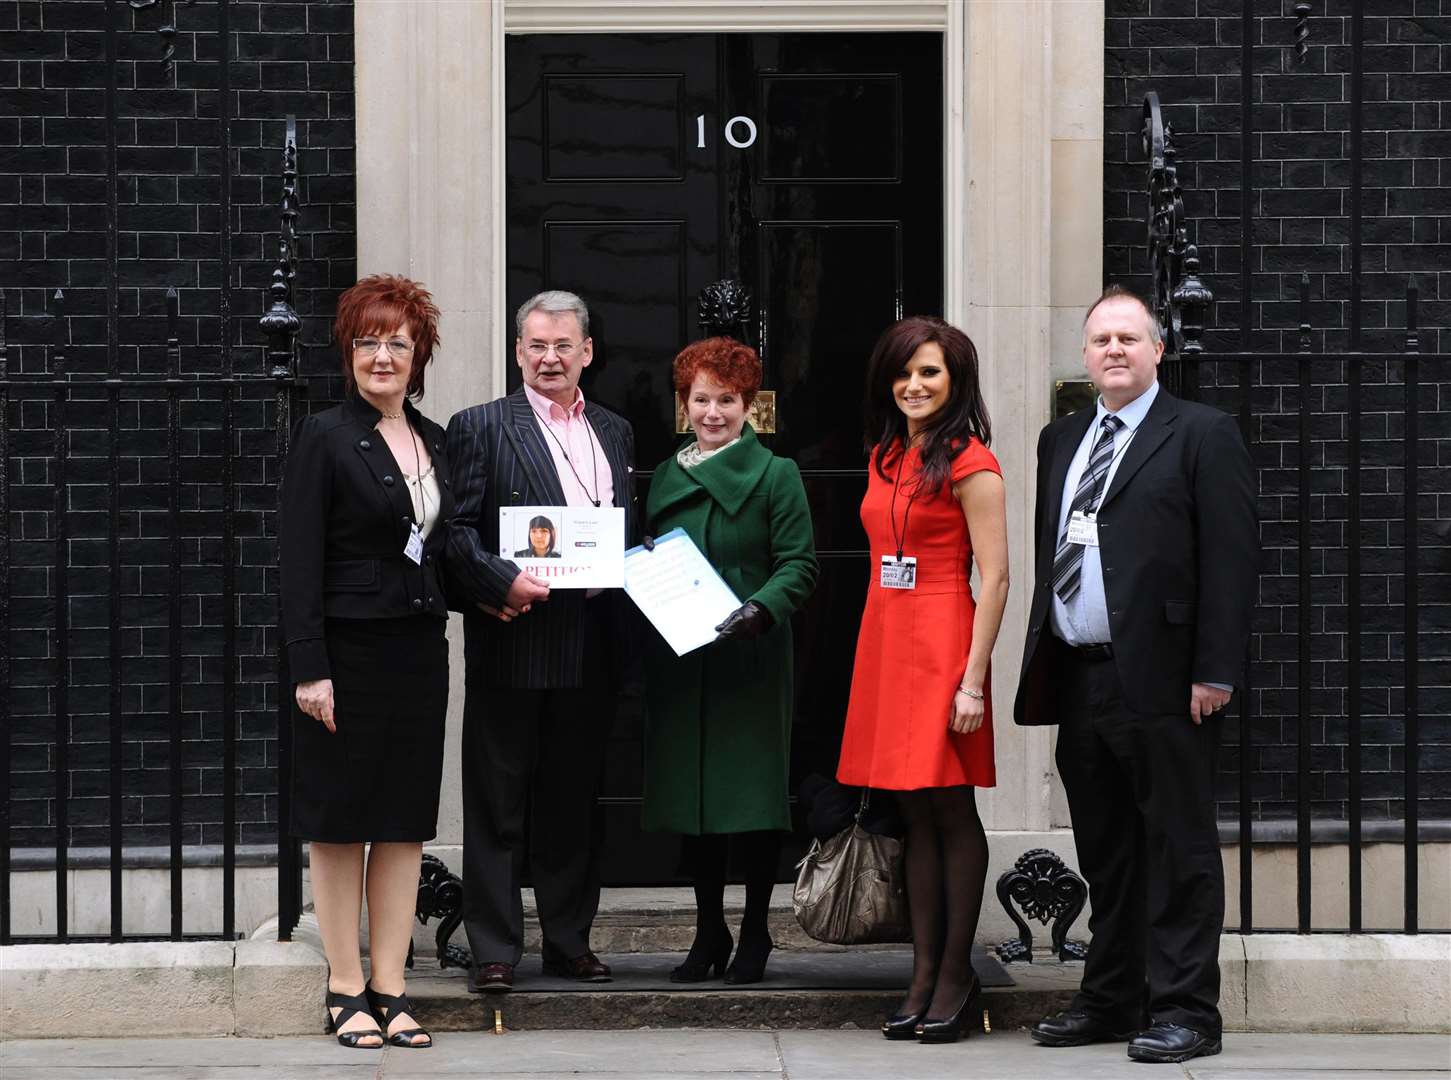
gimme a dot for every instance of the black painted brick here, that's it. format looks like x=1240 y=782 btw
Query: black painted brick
x=1301 y=121
x=287 y=58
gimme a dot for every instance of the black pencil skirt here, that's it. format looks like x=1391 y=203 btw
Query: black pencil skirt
x=378 y=777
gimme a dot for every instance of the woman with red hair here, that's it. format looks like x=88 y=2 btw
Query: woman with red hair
x=363 y=614
x=718 y=720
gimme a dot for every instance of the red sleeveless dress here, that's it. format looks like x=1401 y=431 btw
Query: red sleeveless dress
x=913 y=643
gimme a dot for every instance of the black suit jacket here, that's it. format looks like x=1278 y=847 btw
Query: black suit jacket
x=499 y=458
x=343 y=520
x=1180 y=550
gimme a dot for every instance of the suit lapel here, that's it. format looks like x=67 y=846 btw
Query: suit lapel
x=534 y=456
x=1062 y=455
x=1152 y=434
x=604 y=429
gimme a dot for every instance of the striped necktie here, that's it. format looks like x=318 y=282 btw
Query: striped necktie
x=1068 y=559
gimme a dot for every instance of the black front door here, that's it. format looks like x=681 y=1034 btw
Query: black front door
x=806 y=166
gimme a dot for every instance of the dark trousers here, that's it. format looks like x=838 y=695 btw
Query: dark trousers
x=532 y=762
x=1141 y=794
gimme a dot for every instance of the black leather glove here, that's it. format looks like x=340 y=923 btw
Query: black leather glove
x=747 y=621
x=647 y=542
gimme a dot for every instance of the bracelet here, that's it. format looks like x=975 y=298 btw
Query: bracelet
x=976 y=695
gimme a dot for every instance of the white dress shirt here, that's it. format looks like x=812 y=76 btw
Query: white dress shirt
x=1084 y=621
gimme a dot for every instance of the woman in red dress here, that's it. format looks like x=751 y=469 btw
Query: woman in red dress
x=920 y=719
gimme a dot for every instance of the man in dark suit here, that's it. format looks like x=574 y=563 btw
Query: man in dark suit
x=1146 y=558
x=540 y=674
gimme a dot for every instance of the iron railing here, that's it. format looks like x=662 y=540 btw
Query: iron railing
x=212 y=441
x=1182 y=302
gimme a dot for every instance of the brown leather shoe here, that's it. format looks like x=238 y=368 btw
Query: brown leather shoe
x=587 y=967
x=491 y=978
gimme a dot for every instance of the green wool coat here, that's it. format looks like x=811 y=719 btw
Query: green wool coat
x=718 y=720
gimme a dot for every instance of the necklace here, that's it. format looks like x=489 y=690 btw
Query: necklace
x=391 y=415
x=593 y=496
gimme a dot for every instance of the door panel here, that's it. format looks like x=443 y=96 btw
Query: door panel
x=808 y=167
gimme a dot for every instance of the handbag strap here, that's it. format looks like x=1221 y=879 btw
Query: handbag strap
x=862 y=809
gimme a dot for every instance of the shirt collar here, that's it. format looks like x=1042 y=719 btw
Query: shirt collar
x=1134 y=412
x=546 y=407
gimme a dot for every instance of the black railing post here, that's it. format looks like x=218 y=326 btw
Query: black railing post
x=61 y=698
x=1304 y=666
x=230 y=670
x=1353 y=657
x=113 y=482
x=5 y=751
x=1412 y=610
x=281 y=325
x=174 y=635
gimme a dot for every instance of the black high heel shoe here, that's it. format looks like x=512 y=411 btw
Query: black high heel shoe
x=948 y=1030
x=903 y=1025
x=749 y=966
x=707 y=958
x=385 y=1006
x=349 y=1006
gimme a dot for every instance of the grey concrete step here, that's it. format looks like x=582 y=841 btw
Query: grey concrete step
x=802 y=989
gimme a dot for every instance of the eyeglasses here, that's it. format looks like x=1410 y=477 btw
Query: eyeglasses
x=398 y=348
x=538 y=350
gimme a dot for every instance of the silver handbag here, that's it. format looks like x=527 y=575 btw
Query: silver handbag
x=851 y=890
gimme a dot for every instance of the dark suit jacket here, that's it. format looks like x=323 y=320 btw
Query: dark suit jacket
x=343 y=520
x=498 y=458
x=1179 y=544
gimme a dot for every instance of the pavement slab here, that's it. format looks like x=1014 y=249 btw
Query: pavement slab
x=717 y=1055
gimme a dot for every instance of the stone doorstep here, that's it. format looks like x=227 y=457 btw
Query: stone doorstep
x=1324 y=982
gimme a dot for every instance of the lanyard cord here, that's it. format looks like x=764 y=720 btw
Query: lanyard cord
x=593 y=496
x=1102 y=485
x=901 y=540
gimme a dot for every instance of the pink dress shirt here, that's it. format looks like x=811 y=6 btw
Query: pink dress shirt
x=568 y=435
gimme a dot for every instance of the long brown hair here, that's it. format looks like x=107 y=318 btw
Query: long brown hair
x=947 y=431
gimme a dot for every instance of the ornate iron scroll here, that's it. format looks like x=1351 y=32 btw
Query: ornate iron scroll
x=1180 y=299
x=1044 y=888
x=441 y=896
x=1302 y=32
x=724 y=309
x=167 y=29
x=281 y=323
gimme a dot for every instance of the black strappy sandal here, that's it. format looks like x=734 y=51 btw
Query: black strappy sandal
x=386 y=1005
x=349 y=1006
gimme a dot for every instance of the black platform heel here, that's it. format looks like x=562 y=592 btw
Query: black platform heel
x=948 y=1030
x=704 y=961
x=749 y=966
x=903 y=1025
x=388 y=1005
x=349 y=1006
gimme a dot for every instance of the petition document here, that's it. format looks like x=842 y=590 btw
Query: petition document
x=679 y=591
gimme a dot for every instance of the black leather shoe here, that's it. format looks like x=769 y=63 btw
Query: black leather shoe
x=708 y=956
x=491 y=978
x=586 y=967
x=1073 y=1027
x=749 y=965
x=1172 y=1042
x=947 y=1030
x=903 y=1025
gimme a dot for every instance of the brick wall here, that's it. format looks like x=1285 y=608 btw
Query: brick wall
x=1190 y=52
x=287 y=58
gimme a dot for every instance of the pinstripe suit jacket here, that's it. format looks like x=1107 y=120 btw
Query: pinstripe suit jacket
x=497 y=457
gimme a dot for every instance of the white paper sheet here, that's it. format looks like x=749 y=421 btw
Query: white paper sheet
x=679 y=591
x=584 y=545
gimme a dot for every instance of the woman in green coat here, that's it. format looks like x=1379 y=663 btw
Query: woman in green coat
x=718 y=721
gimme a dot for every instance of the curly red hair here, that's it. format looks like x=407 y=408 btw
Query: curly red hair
x=727 y=361
x=379 y=304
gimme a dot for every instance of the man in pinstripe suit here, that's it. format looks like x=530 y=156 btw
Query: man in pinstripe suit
x=541 y=677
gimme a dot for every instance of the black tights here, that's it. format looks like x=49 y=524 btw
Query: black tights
x=705 y=860
x=946 y=872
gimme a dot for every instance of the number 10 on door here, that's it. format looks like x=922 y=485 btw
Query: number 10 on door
x=733 y=128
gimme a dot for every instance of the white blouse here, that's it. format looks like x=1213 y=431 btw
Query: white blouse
x=423 y=491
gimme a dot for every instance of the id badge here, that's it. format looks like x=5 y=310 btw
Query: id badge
x=899 y=573
x=414 y=548
x=1083 y=529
